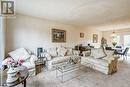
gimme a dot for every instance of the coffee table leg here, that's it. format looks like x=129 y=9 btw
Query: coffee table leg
x=56 y=73
x=62 y=78
x=24 y=83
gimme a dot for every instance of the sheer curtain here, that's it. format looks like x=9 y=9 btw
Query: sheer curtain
x=127 y=42
x=124 y=40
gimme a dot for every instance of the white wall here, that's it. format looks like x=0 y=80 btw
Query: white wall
x=89 y=37
x=1 y=47
x=2 y=37
x=31 y=32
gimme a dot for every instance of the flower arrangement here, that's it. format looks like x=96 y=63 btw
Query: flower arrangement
x=12 y=63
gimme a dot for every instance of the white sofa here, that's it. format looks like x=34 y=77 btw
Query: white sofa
x=59 y=55
x=101 y=60
x=24 y=54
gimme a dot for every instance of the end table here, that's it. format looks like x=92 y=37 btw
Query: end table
x=22 y=78
x=39 y=66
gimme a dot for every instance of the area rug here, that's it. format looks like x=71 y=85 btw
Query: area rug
x=87 y=78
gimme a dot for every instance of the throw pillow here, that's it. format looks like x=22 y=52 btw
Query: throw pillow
x=97 y=53
x=61 y=51
x=52 y=51
x=48 y=56
x=19 y=53
x=109 y=53
x=69 y=52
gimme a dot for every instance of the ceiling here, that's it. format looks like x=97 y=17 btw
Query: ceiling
x=76 y=12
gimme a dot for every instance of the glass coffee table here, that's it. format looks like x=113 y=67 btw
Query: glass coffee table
x=65 y=68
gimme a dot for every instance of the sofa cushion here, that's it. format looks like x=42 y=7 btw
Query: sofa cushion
x=95 y=61
x=29 y=65
x=52 y=51
x=61 y=51
x=109 y=53
x=19 y=53
x=97 y=53
x=57 y=60
x=95 y=65
x=109 y=59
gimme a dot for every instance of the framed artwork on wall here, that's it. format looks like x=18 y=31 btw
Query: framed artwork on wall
x=58 y=36
x=81 y=35
x=95 y=38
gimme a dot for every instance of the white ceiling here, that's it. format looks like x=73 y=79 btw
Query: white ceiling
x=76 y=12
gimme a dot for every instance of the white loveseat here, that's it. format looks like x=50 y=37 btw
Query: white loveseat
x=59 y=55
x=25 y=55
x=101 y=60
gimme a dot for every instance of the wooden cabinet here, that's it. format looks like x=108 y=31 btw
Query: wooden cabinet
x=39 y=67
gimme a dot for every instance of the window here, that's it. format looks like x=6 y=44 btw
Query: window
x=126 y=40
x=117 y=39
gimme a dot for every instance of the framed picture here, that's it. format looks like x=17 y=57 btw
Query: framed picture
x=7 y=7
x=81 y=35
x=95 y=38
x=58 y=36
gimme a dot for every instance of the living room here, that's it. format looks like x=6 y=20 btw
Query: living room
x=84 y=27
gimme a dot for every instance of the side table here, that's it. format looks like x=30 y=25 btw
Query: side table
x=22 y=78
x=39 y=66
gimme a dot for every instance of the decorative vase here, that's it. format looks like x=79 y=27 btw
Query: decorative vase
x=12 y=75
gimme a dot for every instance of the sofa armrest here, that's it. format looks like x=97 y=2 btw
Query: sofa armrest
x=33 y=58
x=113 y=66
